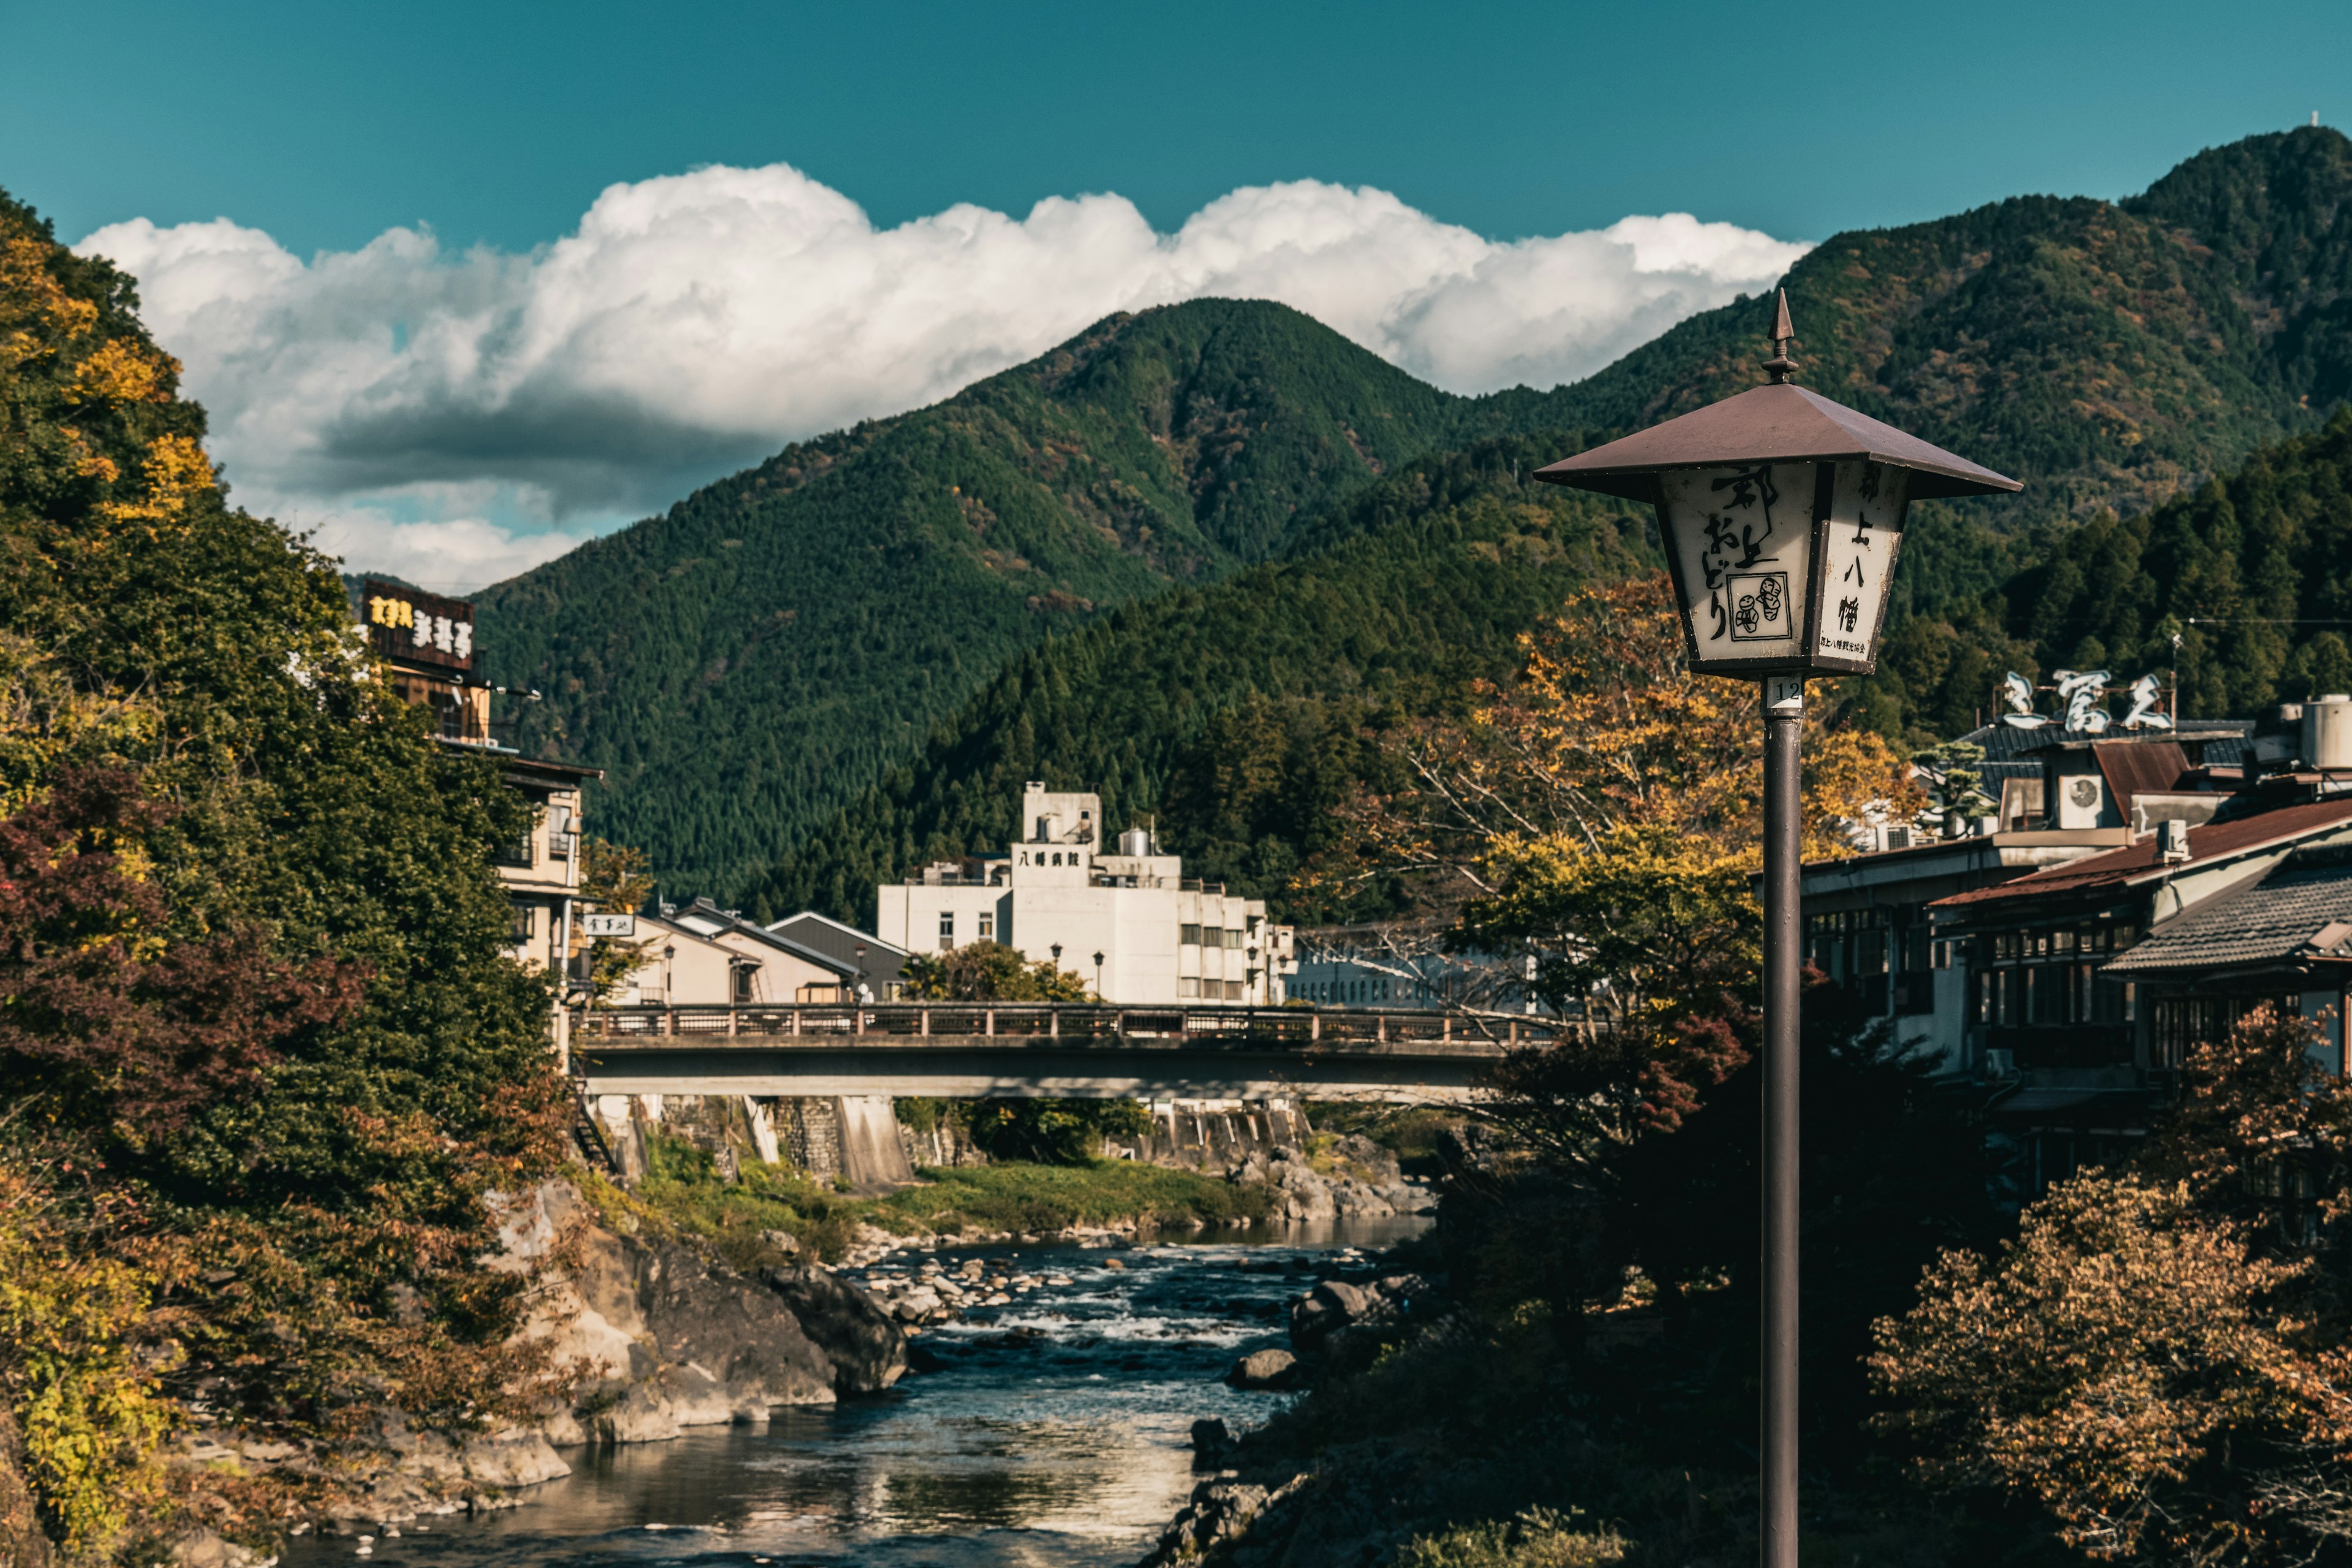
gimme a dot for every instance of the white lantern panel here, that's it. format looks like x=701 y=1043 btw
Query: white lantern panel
x=1865 y=528
x=1743 y=540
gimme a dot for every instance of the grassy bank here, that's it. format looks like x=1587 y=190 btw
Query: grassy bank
x=683 y=1196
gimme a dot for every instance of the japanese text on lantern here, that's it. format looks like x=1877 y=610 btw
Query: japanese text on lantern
x=1747 y=605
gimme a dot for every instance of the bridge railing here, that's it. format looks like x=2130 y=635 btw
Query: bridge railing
x=1078 y=1023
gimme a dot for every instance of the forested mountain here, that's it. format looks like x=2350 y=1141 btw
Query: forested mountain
x=761 y=654
x=2109 y=354
x=1238 y=714
x=757 y=659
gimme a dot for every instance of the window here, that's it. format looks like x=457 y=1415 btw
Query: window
x=946 y=930
x=1233 y=990
x=1188 y=936
x=744 y=983
x=988 y=928
x=1232 y=939
x=1186 y=986
x=520 y=927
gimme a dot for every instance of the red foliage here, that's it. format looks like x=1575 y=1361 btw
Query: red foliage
x=105 y=1011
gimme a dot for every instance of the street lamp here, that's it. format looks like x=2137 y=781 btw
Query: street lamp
x=1098 y=958
x=1781 y=512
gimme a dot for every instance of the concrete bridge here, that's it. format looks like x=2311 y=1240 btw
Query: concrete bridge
x=967 y=1051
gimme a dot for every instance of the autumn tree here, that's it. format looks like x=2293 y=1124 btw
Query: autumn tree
x=1599 y=819
x=2163 y=1357
x=614 y=879
x=269 y=1064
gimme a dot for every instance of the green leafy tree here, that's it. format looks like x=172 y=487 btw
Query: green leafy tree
x=989 y=971
x=265 y=1013
x=614 y=881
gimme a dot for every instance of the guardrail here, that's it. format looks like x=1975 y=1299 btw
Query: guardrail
x=1078 y=1024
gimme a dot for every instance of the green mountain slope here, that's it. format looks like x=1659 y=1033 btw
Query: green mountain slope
x=752 y=660
x=1236 y=713
x=2110 y=354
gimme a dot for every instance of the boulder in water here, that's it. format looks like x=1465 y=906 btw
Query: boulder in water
x=1270 y=1369
x=868 y=1352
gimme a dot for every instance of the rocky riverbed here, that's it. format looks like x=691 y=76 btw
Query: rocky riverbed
x=1046 y=1414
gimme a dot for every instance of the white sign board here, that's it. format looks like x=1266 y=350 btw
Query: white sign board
x=609 y=925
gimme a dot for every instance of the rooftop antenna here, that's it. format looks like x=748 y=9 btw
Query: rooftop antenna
x=1780 y=365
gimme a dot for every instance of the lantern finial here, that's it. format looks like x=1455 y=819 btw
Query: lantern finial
x=1780 y=365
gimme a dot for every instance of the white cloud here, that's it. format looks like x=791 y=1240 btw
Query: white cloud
x=695 y=323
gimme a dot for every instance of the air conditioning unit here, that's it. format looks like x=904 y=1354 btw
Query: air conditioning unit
x=2172 y=837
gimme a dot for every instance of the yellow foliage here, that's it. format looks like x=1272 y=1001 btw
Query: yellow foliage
x=121 y=372
x=45 y=724
x=176 y=469
x=35 y=312
x=87 y=1404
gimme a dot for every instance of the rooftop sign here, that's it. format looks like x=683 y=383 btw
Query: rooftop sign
x=410 y=627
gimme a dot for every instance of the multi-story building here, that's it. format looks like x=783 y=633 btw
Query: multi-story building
x=1129 y=924
x=427 y=644
x=2140 y=897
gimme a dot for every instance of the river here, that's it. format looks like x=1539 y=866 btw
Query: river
x=1055 y=1434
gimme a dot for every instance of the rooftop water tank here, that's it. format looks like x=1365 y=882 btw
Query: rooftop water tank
x=2327 y=731
x=1136 y=842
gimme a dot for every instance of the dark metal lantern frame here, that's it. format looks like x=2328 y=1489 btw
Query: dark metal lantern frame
x=1774 y=425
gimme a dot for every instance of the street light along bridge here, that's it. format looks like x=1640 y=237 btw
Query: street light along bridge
x=969 y=1050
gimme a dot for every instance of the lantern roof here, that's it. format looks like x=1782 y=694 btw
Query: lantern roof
x=1777 y=424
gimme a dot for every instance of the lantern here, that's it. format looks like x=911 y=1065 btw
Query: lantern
x=1781 y=512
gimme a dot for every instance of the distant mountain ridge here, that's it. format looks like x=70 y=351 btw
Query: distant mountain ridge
x=747 y=663
x=756 y=659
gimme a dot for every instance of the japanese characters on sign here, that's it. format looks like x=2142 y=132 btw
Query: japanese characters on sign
x=1744 y=539
x=1784 y=564
x=416 y=627
x=1865 y=527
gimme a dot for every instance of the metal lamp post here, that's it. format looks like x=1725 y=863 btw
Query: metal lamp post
x=1780 y=512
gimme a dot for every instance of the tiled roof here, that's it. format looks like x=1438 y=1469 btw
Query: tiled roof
x=2276 y=918
x=2223 y=740
x=2216 y=840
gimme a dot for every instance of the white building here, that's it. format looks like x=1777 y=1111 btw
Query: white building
x=1129 y=924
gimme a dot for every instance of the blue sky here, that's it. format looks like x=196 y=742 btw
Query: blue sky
x=463 y=283
x=497 y=122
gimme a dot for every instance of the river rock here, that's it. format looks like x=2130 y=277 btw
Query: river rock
x=736 y=1332
x=521 y=1460
x=642 y=1415
x=1212 y=1443
x=868 y=1352
x=1302 y=1193
x=1274 y=1368
x=1331 y=1306
x=1218 y=1512
x=204 y=1549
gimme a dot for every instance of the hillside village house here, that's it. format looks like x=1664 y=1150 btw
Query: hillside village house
x=2067 y=962
x=1128 y=923
x=704 y=956
x=880 y=967
x=427 y=644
